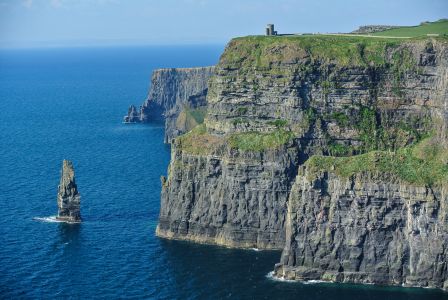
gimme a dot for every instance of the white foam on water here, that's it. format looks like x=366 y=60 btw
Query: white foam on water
x=271 y=276
x=255 y=249
x=315 y=281
x=50 y=219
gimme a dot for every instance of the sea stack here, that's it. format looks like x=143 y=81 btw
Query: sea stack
x=133 y=115
x=69 y=198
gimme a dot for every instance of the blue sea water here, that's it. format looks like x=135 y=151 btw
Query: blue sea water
x=60 y=104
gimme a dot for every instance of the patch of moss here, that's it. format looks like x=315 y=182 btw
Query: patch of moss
x=336 y=149
x=242 y=110
x=340 y=118
x=189 y=118
x=425 y=163
x=279 y=123
x=258 y=141
x=240 y=121
x=368 y=128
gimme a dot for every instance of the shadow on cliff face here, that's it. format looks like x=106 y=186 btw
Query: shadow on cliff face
x=212 y=272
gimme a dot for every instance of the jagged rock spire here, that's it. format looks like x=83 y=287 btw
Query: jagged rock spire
x=133 y=115
x=69 y=198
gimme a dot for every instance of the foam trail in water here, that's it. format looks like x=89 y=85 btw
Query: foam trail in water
x=50 y=219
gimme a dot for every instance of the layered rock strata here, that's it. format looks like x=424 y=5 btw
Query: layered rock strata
x=69 y=199
x=370 y=228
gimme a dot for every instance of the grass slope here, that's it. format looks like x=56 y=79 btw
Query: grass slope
x=422 y=164
x=439 y=27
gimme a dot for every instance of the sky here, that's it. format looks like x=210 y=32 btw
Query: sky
x=53 y=23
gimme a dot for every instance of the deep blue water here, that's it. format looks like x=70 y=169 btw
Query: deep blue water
x=68 y=103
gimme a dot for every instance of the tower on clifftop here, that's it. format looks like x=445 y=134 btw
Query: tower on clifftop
x=270 y=30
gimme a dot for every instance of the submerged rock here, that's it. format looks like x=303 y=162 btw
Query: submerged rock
x=69 y=199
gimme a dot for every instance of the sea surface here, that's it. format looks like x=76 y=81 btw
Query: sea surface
x=60 y=104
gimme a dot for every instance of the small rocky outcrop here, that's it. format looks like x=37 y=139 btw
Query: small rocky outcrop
x=133 y=115
x=373 y=28
x=69 y=199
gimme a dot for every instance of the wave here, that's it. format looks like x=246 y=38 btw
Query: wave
x=50 y=219
x=271 y=276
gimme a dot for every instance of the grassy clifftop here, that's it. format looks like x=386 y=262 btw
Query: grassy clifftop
x=439 y=27
x=266 y=51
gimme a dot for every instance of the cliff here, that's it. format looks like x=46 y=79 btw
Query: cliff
x=176 y=97
x=366 y=228
x=275 y=104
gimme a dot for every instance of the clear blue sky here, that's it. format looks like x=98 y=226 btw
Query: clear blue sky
x=31 y=23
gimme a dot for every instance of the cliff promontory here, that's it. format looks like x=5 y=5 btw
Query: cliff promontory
x=176 y=97
x=331 y=148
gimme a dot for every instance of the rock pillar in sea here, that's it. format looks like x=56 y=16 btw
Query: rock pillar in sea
x=69 y=198
x=133 y=115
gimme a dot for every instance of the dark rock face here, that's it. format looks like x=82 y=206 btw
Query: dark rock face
x=133 y=115
x=176 y=97
x=365 y=229
x=230 y=198
x=68 y=195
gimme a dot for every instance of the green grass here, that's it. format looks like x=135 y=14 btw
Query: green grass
x=198 y=141
x=423 y=164
x=265 y=52
x=279 y=123
x=198 y=114
x=257 y=141
x=190 y=118
x=439 y=27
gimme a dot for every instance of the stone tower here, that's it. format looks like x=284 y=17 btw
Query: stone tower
x=270 y=30
x=69 y=199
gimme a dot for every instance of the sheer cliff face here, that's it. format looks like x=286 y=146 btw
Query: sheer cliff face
x=174 y=93
x=228 y=197
x=365 y=229
x=274 y=102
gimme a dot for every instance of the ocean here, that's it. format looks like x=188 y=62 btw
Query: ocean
x=65 y=103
